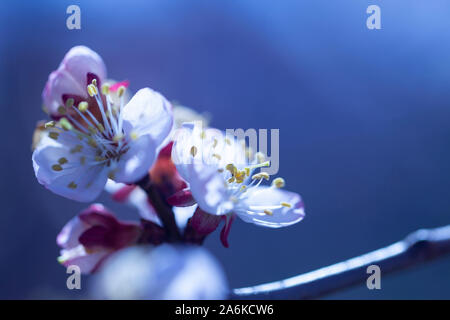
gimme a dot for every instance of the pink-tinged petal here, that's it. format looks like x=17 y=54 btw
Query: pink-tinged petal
x=205 y=223
x=152 y=233
x=226 y=230
x=123 y=193
x=60 y=82
x=136 y=162
x=148 y=112
x=117 y=85
x=182 y=198
x=68 y=237
x=87 y=262
x=81 y=60
x=270 y=198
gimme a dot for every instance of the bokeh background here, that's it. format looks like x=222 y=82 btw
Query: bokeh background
x=364 y=123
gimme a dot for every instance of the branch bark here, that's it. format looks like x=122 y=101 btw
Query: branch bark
x=418 y=247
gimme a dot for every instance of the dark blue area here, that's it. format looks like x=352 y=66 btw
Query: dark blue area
x=364 y=119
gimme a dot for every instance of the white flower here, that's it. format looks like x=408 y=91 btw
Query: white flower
x=222 y=180
x=91 y=143
x=162 y=272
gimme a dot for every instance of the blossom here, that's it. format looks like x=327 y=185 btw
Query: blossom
x=71 y=78
x=162 y=272
x=223 y=181
x=78 y=156
x=89 y=238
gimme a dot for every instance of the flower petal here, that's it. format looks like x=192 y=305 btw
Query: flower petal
x=269 y=198
x=68 y=237
x=148 y=112
x=75 y=181
x=136 y=162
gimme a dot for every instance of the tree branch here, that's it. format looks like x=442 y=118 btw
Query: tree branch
x=420 y=246
x=163 y=210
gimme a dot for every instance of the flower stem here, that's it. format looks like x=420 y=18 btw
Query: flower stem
x=163 y=210
x=420 y=246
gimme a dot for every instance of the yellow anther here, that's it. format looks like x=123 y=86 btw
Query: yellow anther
x=50 y=124
x=232 y=168
x=261 y=175
x=94 y=82
x=65 y=124
x=92 y=89
x=240 y=176
x=228 y=142
x=285 y=204
x=278 y=182
x=54 y=135
x=92 y=143
x=82 y=160
x=193 y=151
x=121 y=91
x=134 y=135
x=231 y=180
x=215 y=143
x=92 y=130
x=243 y=188
x=57 y=167
x=268 y=212
x=118 y=137
x=247 y=171
x=69 y=103
x=202 y=134
x=215 y=155
x=77 y=148
x=61 y=110
x=83 y=106
x=105 y=89
x=62 y=160
x=72 y=185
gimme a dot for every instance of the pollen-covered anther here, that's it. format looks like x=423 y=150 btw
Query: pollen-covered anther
x=92 y=89
x=54 y=135
x=62 y=110
x=193 y=151
x=268 y=212
x=50 y=124
x=134 y=135
x=285 y=204
x=121 y=91
x=57 y=167
x=278 y=183
x=118 y=137
x=69 y=103
x=77 y=148
x=62 y=160
x=83 y=106
x=261 y=175
x=92 y=143
x=65 y=124
x=105 y=89
x=72 y=185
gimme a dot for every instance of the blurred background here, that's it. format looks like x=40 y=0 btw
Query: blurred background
x=364 y=123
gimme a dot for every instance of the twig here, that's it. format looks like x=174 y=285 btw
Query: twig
x=163 y=210
x=420 y=246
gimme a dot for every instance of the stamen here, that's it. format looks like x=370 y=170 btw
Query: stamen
x=69 y=103
x=121 y=91
x=268 y=212
x=72 y=185
x=193 y=151
x=285 y=204
x=50 y=124
x=62 y=160
x=83 y=106
x=105 y=89
x=54 y=135
x=261 y=175
x=92 y=89
x=278 y=182
x=134 y=135
x=215 y=155
x=61 y=110
x=57 y=167
x=65 y=124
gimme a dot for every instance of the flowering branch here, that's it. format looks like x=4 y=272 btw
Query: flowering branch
x=165 y=213
x=418 y=247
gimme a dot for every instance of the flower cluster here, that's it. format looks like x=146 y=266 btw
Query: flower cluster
x=184 y=179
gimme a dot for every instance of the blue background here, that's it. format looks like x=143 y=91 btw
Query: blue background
x=364 y=123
